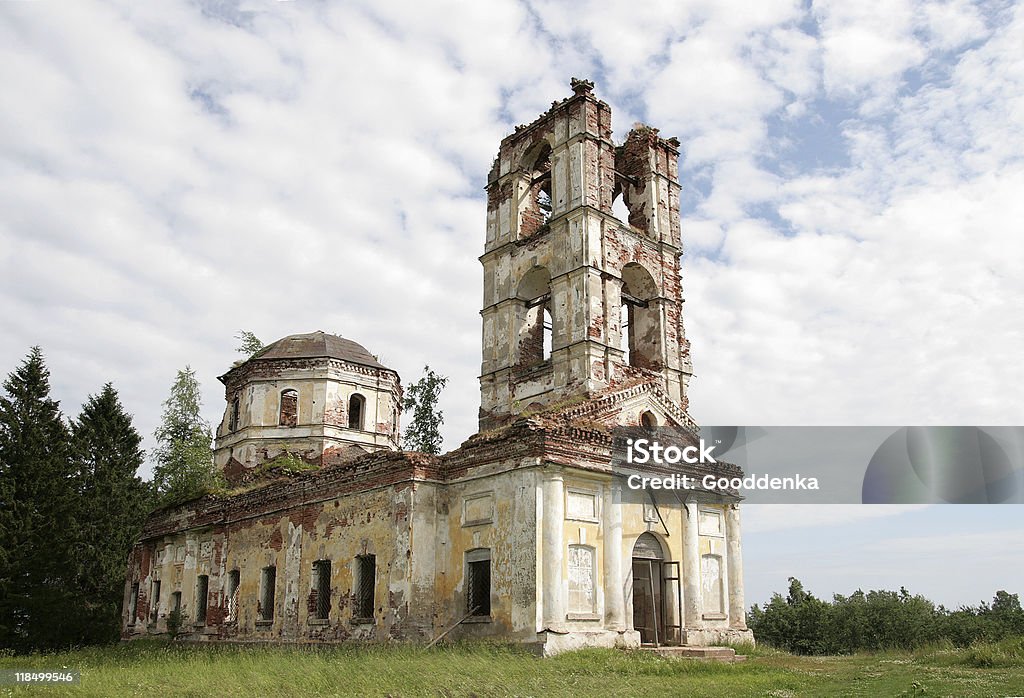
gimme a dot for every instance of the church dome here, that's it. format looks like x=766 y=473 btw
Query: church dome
x=316 y=345
x=314 y=397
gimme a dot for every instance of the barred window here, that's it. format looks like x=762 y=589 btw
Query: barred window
x=154 y=601
x=231 y=595
x=233 y=417
x=478 y=582
x=322 y=589
x=202 y=589
x=268 y=582
x=366 y=580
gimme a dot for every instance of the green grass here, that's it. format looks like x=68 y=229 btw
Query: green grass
x=163 y=669
x=1007 y=653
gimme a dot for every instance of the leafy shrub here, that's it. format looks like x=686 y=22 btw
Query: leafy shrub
x=882 y=620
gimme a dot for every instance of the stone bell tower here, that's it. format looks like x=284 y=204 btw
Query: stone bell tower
x=577 y=301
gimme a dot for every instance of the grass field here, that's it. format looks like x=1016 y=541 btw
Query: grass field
x=153 y=668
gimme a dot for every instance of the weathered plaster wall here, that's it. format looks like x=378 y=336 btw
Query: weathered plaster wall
x=375 y=522
x=419 y=519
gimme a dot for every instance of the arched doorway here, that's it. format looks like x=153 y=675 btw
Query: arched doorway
x=656 y=593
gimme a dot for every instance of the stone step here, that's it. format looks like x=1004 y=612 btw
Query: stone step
x=718 y=654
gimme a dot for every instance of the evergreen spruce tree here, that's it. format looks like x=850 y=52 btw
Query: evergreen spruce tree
x=183 y=460
x=113 y=502
x=424 y=431
x=39 y=604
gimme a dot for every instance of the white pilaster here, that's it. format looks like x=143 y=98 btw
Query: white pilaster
x=553 y=547
x=737 y=610
x=614 y=597
x=693 y=601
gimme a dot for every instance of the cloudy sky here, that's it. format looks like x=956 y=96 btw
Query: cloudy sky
x=173 y=172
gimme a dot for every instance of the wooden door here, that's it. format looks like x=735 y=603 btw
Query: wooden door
x=648 y=613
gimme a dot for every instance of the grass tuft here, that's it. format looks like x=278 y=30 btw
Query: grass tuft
x=980 y=655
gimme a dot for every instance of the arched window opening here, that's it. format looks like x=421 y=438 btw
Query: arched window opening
x=630 y=214
x=648 y=547
x=648 y=420
x=541 y=183
x=634 y=157
x=536 y=324
x=619 y=209
x=289 y=414
x=641 y=319
x=356 y=405
x=537 y=200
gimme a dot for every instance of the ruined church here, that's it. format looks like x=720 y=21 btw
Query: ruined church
x=525 y=533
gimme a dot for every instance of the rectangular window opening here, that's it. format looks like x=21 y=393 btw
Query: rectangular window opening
x=478 y=572
x=581 y=579
x=268 y=582
x=366 y=580
x=202 y=590
x=231 y=595
x=322 y=587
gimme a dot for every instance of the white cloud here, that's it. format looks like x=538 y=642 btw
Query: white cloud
x=894 y=288
x=867 y=45
x=952 y=24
